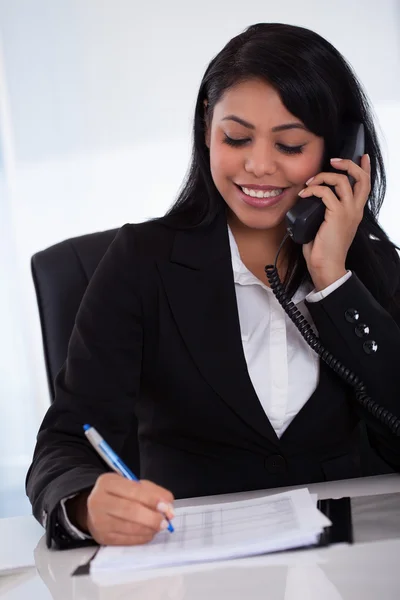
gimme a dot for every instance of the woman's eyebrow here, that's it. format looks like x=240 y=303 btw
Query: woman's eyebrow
x=282 y=127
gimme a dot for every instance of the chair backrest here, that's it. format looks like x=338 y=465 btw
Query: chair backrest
x=61 y=274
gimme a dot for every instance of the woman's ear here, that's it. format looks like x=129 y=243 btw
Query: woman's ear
x=206 y=124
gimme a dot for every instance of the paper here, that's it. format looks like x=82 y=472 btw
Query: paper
x=223 y=531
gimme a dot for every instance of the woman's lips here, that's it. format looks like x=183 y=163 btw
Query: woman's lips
x=260 y=202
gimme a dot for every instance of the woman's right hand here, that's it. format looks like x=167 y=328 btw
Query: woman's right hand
x=120 y=512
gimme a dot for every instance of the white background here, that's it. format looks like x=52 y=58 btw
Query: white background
x=96 y=105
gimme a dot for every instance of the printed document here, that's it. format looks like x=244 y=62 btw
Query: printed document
x=223 y=531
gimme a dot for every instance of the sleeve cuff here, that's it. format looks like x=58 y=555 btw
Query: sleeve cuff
x=73 y=531
x=317 y=296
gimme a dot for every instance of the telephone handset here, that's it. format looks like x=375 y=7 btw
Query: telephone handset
x=303 y=222
x=306 y=216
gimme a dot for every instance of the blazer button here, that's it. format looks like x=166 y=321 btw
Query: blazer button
x=361 y=330
x=275 y=464
x=352 y=315
x=370 y=347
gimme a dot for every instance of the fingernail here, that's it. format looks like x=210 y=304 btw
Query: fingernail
x=309 y=180
x=167 y=509
x=164 y=525
x=336 y=159
x=369 y=160
x=302 y=191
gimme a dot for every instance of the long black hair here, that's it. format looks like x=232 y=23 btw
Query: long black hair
x=318 y=86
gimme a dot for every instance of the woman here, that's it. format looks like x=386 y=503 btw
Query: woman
x=180 y=330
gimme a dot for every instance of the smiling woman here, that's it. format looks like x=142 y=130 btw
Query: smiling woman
x=275 y=154
x=179 y=336
x=276 y=98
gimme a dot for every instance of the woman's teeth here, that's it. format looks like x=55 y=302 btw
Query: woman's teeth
x=261 y=194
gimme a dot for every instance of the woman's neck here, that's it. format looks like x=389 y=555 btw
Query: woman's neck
x=258 y=247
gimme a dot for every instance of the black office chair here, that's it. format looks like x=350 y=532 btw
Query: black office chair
x=61 y=274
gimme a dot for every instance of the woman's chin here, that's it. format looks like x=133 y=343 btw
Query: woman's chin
x=258 y=220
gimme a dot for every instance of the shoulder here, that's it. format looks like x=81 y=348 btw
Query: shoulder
x=150 y=239
x=131 y=256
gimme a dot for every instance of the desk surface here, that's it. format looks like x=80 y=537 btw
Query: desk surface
x=369 y=569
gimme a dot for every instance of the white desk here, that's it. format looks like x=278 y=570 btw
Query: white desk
x=367 y=569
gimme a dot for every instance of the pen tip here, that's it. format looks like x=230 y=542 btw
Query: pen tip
x=86 y=427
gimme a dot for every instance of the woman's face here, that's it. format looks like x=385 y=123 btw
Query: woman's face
x=257 y=144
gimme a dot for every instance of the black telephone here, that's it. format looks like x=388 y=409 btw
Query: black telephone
x=303 y=222
x=306 y=216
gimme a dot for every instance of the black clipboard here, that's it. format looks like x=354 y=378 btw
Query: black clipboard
x=338 y=511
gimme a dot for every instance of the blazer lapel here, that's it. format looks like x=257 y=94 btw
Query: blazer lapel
x=200 y=288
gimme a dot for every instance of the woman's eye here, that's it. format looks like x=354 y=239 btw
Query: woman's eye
x=236 y=143
x=290 y=149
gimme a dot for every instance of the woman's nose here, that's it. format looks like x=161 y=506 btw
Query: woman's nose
x=260 y=161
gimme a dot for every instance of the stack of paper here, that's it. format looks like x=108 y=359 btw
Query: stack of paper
x=222 y=531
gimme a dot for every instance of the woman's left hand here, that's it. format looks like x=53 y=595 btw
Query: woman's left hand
x=326 y=254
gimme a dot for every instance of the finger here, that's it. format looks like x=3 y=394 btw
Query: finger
x=155 y=497
x=115 y=524
x=366 y=164
x=121 y=539
x=361 y=176
x=145 y=492
x=157 y=491
x=134 y=512
x=340 y=182
x=345 y=164
x=330 y=200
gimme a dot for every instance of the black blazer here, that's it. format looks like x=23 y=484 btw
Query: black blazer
x=157 y=336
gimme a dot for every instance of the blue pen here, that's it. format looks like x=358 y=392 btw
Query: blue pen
x=111 y=458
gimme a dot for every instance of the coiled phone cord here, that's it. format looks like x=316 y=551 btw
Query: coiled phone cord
x=378 y=411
